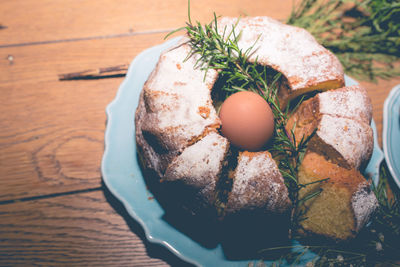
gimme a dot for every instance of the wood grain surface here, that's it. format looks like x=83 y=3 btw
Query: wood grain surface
x=54 y=208
x=49 y=21
x=378 y=92
x=84 y=229
x=60 y=145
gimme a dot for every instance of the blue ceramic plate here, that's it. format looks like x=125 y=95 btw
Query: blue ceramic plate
x=391 y=132
x=122 y=174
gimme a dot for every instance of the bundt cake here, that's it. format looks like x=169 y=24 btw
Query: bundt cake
x=178 y=129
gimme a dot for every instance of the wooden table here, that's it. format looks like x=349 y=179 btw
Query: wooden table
x=54 y=208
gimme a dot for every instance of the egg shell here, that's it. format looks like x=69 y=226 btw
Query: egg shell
x=247 y=120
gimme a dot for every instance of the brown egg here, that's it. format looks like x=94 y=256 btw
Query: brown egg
x=247 y=120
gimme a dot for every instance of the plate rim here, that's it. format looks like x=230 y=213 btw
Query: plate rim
x=393 y=96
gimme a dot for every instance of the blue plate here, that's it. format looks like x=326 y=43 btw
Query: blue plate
x=122 y=174
x=391 y=133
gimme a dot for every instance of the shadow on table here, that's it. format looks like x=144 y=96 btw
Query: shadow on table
x=153 y=250
x=243 y=235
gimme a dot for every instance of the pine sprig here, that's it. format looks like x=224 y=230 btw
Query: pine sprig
x=364 y=35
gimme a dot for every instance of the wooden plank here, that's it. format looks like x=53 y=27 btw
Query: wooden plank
x=33 y=64
x=29 y=21
x=53 y=143
x=79 y=229
x=53 y=131
x=378 y=92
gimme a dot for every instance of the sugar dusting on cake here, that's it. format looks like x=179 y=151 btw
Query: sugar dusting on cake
x=348 y=102
x=363 y=203
x=200 y=164
x=176 y=93
x=352 y=139
x=277 y=45
x=258 y=184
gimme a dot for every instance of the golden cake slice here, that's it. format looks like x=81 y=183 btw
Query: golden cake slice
x=344 y=205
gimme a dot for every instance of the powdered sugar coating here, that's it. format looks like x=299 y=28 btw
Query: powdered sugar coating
x=363 y=202
x=349 y=102
x=178 y=101
x=257 y=184
x=290 y=50
x=151 y=159
x=352 y=139
x=200 y=164
x=176 y=110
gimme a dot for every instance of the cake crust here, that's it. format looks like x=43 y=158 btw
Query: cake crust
x=257 y=185
x=351 y=102
x=199 y=166
x=175 y=108
x=277 y=45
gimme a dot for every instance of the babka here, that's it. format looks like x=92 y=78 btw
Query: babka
x=178 y=129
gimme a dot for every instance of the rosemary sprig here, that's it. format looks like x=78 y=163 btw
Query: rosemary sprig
x=221 y=52
x=219 y=49
x=364 y=35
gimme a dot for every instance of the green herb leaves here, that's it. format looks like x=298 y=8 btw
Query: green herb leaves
x=364 y=35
